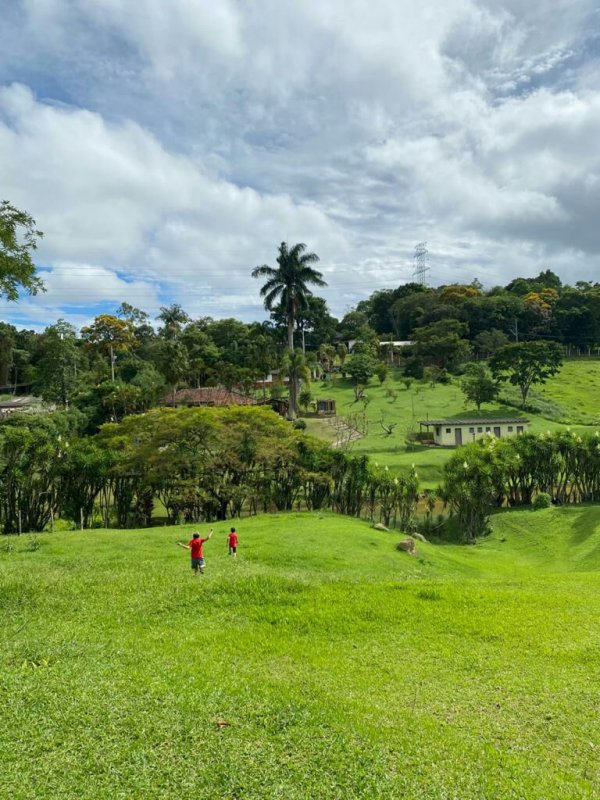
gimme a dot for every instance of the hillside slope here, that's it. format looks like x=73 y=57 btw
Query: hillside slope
x=323 y=663
x=570 y=398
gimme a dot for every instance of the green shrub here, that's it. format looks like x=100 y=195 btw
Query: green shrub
x=300 y=425
x=542 y=500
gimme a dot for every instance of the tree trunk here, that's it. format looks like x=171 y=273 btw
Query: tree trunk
x=293 y=394
x=293 y=378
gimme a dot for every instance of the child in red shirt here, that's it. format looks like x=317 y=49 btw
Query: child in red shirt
x=195 y=547
x=232 y=540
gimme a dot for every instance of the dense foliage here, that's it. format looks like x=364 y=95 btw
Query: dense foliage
x=198 y=464
x=490 y=473
x=18 y=239
x=122 y=364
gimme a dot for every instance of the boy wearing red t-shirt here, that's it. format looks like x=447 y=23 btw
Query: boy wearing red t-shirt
x=232 y=540
x=195 y=547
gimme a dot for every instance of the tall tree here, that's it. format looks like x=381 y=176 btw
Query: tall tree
x=294 y=365
x=18 y=238
x=175 y=363
x=135 y=315
x=173 y=318
x=527 y=363
x=288 y=284
x=441 y=343
x=57 y=365
x=109 y=335
x=7 y=344
x=478 y=385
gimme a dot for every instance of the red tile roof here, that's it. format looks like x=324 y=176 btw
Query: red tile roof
x=208 y=396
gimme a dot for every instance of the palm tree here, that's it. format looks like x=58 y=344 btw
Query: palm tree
x=172 y=317
x=287 y=286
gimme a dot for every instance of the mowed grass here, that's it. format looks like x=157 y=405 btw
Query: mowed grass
x=576 y=391
x=571 y=398
x=323 y=663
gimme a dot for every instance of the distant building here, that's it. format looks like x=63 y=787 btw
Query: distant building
x=394 y=345
x=26 y=403
x=270 y=378
x=207 y=396
x=456 y=432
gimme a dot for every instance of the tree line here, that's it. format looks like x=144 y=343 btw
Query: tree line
x=207 y=464
x=184 y=465
x=122 y=363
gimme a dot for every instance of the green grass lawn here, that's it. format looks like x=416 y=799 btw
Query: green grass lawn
x=575 y=391
x=570 y=398
x=342 y=667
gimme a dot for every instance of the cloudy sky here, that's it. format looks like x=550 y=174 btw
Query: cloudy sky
x=166 y=148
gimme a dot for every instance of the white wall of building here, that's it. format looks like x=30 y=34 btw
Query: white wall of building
x=447 y=436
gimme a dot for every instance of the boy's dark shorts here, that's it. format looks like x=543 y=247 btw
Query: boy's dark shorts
x=232 y=550
x=197 y=562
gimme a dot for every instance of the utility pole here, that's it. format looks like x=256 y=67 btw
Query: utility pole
x=112 y=363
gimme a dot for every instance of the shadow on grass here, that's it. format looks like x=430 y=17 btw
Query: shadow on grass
x=585 y=524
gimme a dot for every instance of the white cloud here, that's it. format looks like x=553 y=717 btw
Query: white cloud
x=85 y=285
x=111 y=194
x=174 y=145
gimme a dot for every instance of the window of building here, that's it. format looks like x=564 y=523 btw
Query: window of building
x=488 y=429
x=471 y=430
x=448 y=430
x=510 y=428
x=479 y=430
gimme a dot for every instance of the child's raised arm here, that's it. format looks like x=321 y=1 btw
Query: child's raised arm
x=185 y=546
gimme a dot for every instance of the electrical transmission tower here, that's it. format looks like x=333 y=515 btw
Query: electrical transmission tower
x=421 y=261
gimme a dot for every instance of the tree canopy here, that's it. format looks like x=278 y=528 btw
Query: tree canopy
x=18 y=239
x=526 y=364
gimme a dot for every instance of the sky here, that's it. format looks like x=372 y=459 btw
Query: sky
x=167 y=148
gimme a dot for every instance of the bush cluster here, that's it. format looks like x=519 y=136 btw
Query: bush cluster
x=520 y=471
x=199 y=464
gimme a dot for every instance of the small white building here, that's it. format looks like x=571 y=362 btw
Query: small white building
x=388 y=344
x=456 y=432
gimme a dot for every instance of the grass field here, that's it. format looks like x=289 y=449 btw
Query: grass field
x=575 y=391
x=570 y=398
x=321 y=664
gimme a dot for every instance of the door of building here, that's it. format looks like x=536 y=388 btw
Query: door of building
x=497 y=431
x=458 y=436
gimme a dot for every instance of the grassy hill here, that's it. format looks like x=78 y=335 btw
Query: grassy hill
x=571 y=398
x=323 y=663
